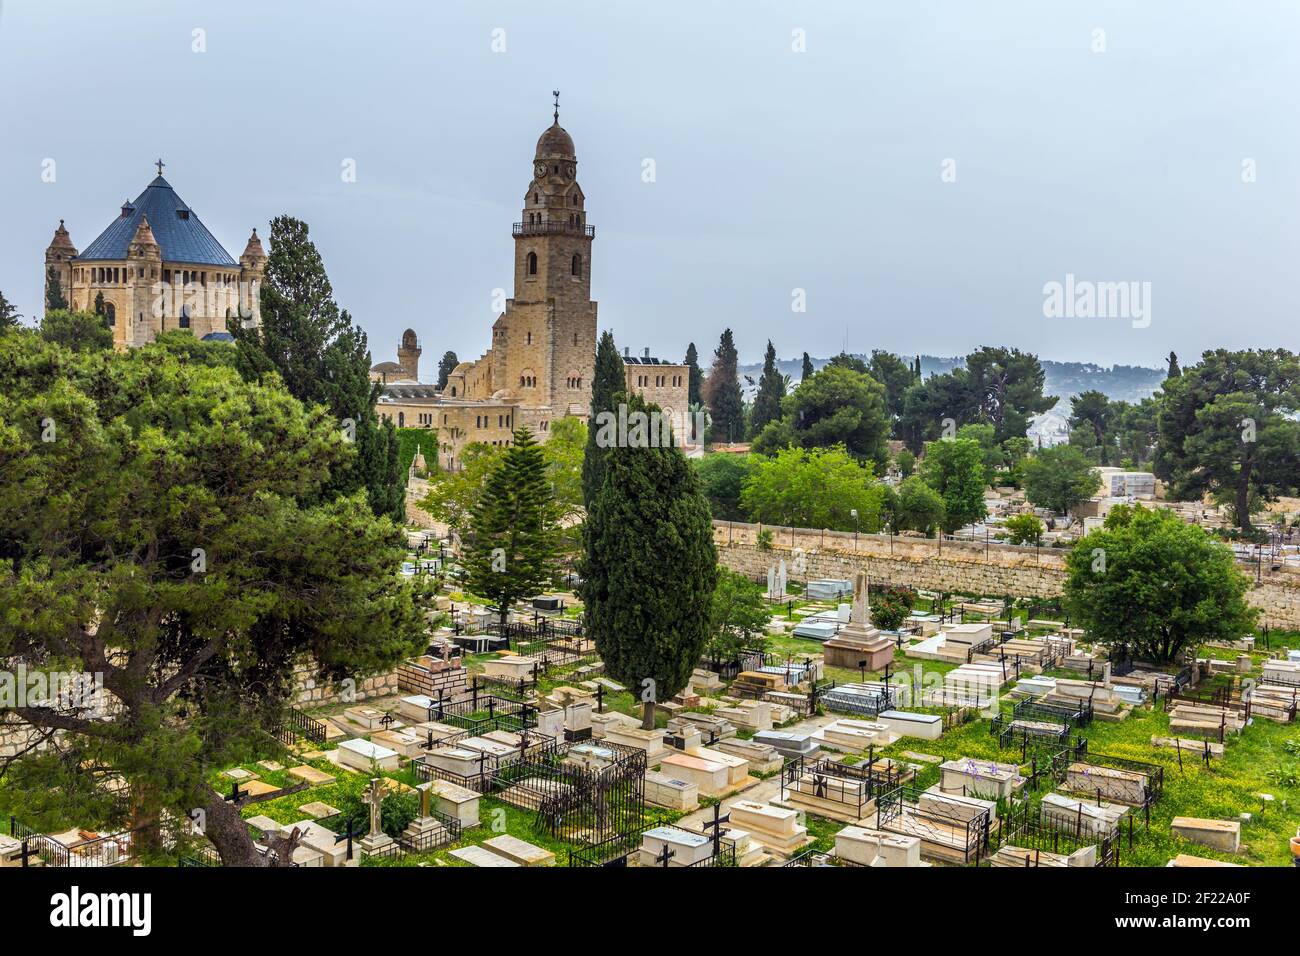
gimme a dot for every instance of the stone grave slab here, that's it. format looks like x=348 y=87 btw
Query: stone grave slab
x=478 y=856
x=520 y=851
x=309 y=774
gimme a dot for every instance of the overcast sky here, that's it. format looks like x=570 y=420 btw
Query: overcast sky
x=1114 y=156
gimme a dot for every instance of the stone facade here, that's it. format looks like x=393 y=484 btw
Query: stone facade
x=150 y=277
x=961 y=567
x=543 y=349
x=308 y=691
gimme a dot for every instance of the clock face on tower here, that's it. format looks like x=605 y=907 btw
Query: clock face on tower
x=540 y=169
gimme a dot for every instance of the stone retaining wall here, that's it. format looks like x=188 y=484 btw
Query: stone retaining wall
x=967 y=567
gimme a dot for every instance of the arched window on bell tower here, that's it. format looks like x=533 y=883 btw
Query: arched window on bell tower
x=575 y=267
x=532 y=263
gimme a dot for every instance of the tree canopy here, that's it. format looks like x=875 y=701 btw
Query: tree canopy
x=1060 y=478
x=162 y=524
x=649 y=570
x=1149 y=580
x=1227 y=427
x=955 y=469
x=813 y=488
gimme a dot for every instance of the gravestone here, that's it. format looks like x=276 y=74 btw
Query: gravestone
x=376 y=839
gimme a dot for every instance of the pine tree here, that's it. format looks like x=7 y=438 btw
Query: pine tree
x=807 y=367
x=8 y=315
x=54 y=298
x=1174 y=370
x=608 y=388
x=323 y=359
x=513 y=531
x=695 y=377
x=649 y=570
x=771 y=389
x=446 y=366
x=722 y=392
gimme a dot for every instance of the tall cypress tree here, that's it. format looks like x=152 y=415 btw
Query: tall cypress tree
x=808 y=370
x=608 y=388
x=1174 y=370
x=55 y=301
x=446 y=366
x=722 y=392
x=694 y=377
x=513 y=531
x=771 y=389
x=323 y=359
x=649 y=570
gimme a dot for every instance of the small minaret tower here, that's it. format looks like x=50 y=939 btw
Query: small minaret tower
x=252 y=269
x=58 y=264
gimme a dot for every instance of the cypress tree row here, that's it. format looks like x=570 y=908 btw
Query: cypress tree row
x=650 y=569
x=513 y=528
x=771 y=389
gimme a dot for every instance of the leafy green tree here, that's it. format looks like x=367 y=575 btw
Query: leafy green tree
x=850 y=362
x=446 y=365
x=453 y=495
x=564 y=452
x=935 y=407
x=161 y=525
x=1136 y=431
x=511 y=551
x=739 y=618
x=78 y=331
x=1092 y=417
x=813 y=488
x=722 y=392
x=1228 y=427
x=650 y=570
x=990 y=449
x=919 y=507
x=839 y=406
x=721 y=478
x=771 y=389
x=1008 y=386
x=1024 y=529
x=1148 y=580
x=1060 y=478
x=55 y=301
x=694 y=377
x=608 y=390
x=955 y=469
x=8 y=315
x=897 y=377
x=891 y=605
x=323 y=359
x=905 y=462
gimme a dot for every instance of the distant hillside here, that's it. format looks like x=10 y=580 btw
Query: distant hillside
x=1129 y=383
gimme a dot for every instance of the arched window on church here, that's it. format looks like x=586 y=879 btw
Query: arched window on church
x=532 y=263
x=401 y=419
x=575 y=267
x=110 y=314
x=185 y=317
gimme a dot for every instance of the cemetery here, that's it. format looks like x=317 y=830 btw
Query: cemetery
x=957 y=740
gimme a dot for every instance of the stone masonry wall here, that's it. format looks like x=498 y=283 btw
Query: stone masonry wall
x=969 y=567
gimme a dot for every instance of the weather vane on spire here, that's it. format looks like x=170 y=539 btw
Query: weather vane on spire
x=159 y=163
x=556 y=94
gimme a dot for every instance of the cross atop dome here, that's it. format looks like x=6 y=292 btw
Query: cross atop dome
x=556 y=94
x=160 y=164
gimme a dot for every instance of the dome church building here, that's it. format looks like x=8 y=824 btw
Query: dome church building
x=156 y=268
x=539 y=364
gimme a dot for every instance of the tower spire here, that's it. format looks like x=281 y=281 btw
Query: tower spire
x=159 y=163
x=556 y=94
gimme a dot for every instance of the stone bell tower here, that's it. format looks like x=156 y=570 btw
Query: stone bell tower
x=544 y=346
